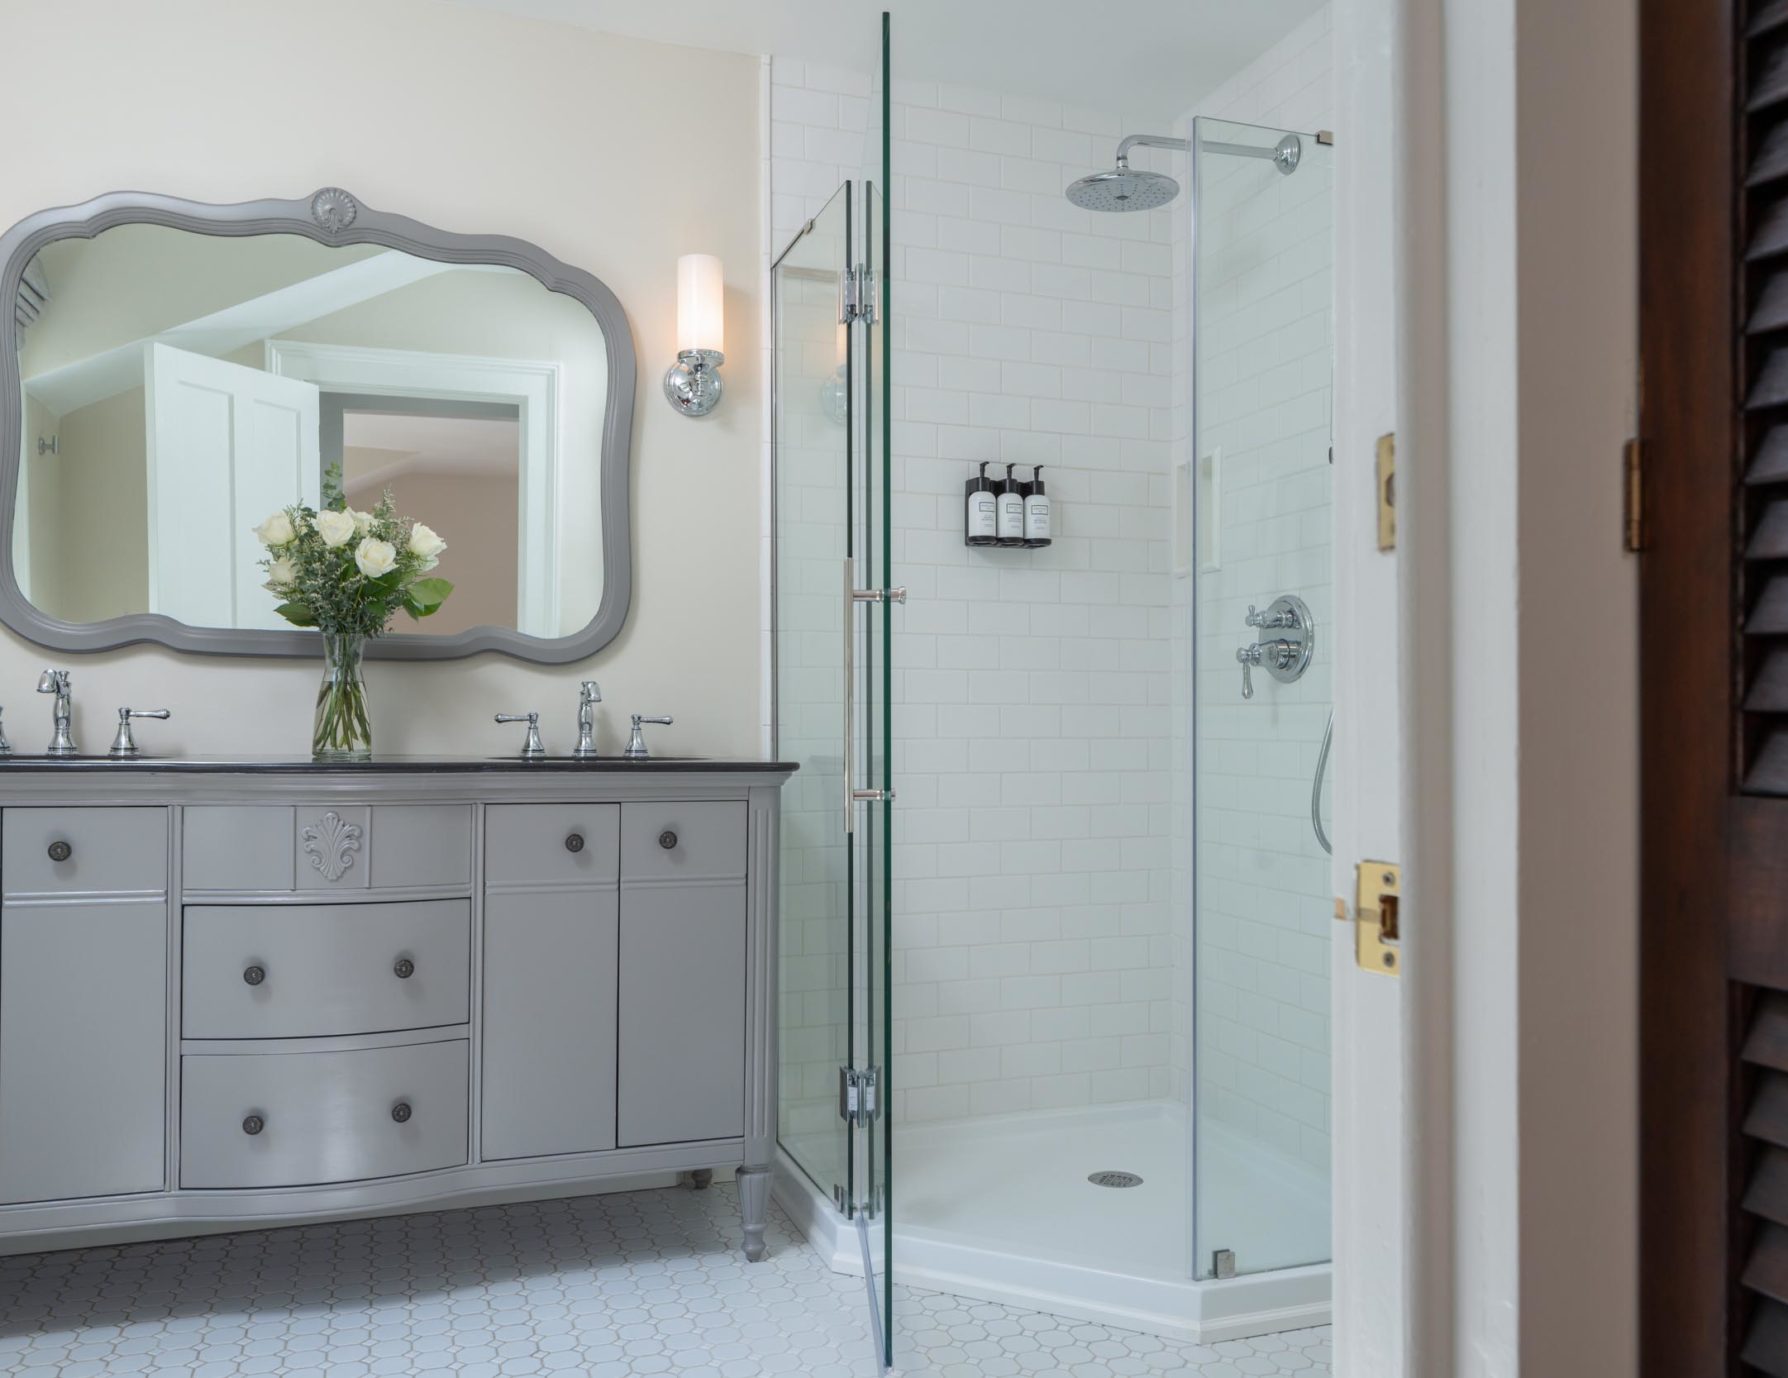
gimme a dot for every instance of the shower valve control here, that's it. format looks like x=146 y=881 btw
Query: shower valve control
x=1285 y=657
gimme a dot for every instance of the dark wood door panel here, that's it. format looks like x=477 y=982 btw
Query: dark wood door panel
x=1692 y=1159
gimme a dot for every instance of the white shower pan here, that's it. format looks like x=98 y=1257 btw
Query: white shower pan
x=999 y=1208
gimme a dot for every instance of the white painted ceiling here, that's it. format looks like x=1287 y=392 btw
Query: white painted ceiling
x=1145 y=58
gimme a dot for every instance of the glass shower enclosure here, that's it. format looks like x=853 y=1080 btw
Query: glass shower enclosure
x=832 y=596
x=1145 y=1007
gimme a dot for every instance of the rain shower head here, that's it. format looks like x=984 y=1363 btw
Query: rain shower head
x=1126 y=189
x=1123 y=189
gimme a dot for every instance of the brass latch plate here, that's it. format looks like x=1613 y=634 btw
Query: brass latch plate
x=1387 y=492
x=1378 y=892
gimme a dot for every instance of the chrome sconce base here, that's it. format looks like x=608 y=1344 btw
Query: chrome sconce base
x=692 y=385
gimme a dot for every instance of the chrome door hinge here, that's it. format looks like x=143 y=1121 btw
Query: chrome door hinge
x=1378 y=892
x=1632 y=474
x=1223 y=1263
x=857 y=1100
x=895 y=595
x=856 y=301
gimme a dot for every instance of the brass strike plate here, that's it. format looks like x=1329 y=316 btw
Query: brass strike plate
x=1378 y=891
x=1387 y=492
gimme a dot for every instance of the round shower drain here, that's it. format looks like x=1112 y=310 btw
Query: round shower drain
x=1114 y=1179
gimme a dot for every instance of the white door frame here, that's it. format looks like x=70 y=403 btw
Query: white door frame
x=1509 y=209
x=533 y=386
x=1371 y=1213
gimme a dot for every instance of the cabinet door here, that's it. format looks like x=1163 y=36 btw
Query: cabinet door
x=549 y=1023
x=83 y=1048
x=682 y=1024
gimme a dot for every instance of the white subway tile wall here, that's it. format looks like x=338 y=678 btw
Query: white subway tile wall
x=1043 y=706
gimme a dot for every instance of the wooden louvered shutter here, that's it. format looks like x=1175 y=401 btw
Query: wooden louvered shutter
x=1714 y=688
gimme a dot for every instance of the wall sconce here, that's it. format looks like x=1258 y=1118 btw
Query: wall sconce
x=693 y=383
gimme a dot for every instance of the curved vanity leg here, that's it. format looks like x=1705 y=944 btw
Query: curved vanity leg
x=754 y=1206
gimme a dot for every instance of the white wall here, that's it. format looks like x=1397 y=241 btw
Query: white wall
x=474 y=122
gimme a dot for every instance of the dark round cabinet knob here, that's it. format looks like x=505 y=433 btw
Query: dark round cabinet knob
x=401 y=1112
x=254 y=975
x=667 y=839
x=574 y=842
x=403 y=968
x=60 y=850
x=253 y=1124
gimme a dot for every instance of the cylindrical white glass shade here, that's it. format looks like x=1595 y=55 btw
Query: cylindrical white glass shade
x=701 y=304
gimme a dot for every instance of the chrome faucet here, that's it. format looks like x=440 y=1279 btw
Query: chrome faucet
x=589 y=694
x=5 y=746
x=532 y=746
x=636 y=744
x=57 y=682
x=124 y=744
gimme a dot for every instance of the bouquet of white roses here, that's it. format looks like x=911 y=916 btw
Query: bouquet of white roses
x=347 y=573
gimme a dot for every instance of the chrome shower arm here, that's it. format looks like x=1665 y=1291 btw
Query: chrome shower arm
x=1149 y=141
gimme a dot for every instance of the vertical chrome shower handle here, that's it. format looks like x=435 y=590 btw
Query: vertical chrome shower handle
x=853 y=596
x=850 y=697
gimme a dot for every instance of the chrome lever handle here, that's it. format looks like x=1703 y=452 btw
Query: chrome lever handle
x=1249 y=657
x=532 y=746
x=125 y=744
x=1273 y=618
x=636 y=743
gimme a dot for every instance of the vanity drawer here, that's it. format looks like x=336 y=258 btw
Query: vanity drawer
x=683 y=841
x=321 y=1117
x=315 y=970
x=552 y=844
x=105 y=850
x=335 y=847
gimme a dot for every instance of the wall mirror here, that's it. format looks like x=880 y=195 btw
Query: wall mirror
x=178 y=371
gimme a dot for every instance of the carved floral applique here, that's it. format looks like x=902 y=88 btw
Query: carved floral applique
x=331 y=843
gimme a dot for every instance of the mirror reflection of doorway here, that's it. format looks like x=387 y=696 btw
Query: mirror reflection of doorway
x=457 y=460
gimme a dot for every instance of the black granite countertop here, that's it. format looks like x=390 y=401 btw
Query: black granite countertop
x=387 y=765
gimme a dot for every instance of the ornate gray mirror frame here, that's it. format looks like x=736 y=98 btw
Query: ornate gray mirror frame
x=329 y=216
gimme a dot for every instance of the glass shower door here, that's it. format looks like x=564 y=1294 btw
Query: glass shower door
x=1262 y=238
x=832 y=640
x=810 y=623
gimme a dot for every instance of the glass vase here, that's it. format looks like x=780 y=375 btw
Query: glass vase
x=343 y=728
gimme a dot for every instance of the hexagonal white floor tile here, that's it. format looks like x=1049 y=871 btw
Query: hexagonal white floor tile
x=618 y=1286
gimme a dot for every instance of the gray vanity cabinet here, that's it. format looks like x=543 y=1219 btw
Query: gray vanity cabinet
x=83 y=1002
x=234 y=995
x=682 y=1006
x=550 y=978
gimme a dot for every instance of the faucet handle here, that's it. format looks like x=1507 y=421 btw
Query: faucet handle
x=1249 y=657
x=124 y=744
x=636 y=744
x=532 y=746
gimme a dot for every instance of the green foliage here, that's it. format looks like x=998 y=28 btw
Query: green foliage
x=355 y=587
